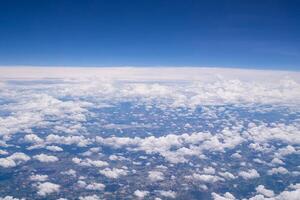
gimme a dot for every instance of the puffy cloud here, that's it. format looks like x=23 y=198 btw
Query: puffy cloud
x=38 y=177
x=280 y=132
x=10 y=198
x=227 y=175
x=113 y=173
x=70 y=172
x=54 y=148
x=14 y=160
x=32 y=138
x=3 y=152
x=209 y=170
x=226 y=196
x=88 y=162
x=95 y=186
x=262 y=190
x=168 y=194
x=80 y=141
x=45 y=158
x=90 y=197
x=279 y=170
x=250 y=174
x=140 y=193
x=204 y=178
x=165 y=145
x=47 y=188
x=156 y=176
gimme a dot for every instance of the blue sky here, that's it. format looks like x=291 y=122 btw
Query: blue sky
x=247 y=34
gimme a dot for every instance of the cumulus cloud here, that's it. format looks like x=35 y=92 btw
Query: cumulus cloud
x=10 y=198
x=45 y=158
x=250 y=174
x=262 y=190
x=113 y=173
x=95 y=186
x=54 y=148
x=168 y=194
x=156 y=176
x=205 y=178
x=90 y=197
x=80 y=141
x=140 y=193
x=47 y=188
x=32 y=138
x=14 y=160
x=226 y=196
x=279 y=170
x=88 y=162
x=38 y=177
x=165 y=145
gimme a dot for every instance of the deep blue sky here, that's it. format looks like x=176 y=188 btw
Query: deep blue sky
x=250 y=34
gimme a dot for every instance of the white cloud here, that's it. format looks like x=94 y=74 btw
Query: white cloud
x=262 y=190
x=54 y=148
x=10 y=198
x=47 y=188
x=88 y=162
x=3 y=152
x=250 y=174
x=226 y=196
x=14 y=160
x=209 y=170
x=205 y=178
x=140 y=194
x=156 y=176
x=227 y=175
x=90 y=197
x=95 y=186
x=113 y=173
x=165 y=145
x=80 y=141
x=38 y=177
x=70 y=172
x=279 y=170
x=45 y=158
x=32 y=138
x=168 y=194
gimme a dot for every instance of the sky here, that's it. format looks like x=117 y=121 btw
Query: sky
x=262 y=34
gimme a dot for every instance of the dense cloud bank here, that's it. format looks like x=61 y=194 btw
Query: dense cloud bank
x=212 y=134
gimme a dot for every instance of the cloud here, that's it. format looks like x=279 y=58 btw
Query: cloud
x=279 y=170
x=168 y=194
x=54 y=148
x=140 y=194
x=10 y=198
x=156 y=176
x=174 y=148
x=226 y=196
x=88 y=162
x=262 y=190
x=80 y=141
x=45 y=158
x=113 y=173
x=250 y=174
x=38 y=177
x=205 y=178
x=32 y=138
x=47 y=188
x=95 y=186
x=70 y=172
x=90 y=197
x=14 y=160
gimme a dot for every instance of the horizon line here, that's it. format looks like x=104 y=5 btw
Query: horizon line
x=150 y=66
